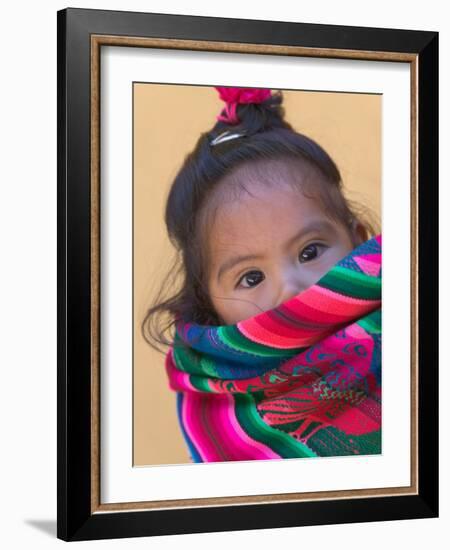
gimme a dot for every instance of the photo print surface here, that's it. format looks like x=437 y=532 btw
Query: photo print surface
x=257 y=274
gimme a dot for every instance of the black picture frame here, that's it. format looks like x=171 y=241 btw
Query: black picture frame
x=80 y=515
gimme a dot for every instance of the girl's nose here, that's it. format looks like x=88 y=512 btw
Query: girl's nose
x=291 y=286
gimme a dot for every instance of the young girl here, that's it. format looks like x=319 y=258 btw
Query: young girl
x=276 y=351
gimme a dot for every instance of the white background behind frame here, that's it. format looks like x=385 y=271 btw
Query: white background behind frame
x=120 y=481
x=28 y=508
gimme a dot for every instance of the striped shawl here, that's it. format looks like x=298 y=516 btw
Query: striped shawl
x=300 y=380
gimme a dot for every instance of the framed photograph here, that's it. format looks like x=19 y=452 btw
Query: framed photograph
x=247 y=274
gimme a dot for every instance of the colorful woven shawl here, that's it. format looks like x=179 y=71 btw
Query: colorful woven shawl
x=300 y=380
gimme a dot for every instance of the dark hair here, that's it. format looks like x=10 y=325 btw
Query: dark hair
x=196 y=187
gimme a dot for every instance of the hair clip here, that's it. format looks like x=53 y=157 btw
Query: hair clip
x=225 y=136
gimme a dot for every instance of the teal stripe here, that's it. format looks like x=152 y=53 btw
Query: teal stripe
x=193 y=362
x=200 y=383
x=352 y=283
x=371 y=323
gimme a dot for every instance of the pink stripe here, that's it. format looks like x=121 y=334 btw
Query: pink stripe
x=337 y=304
x=279 y=326
x=322 y=305
x=188 y=416
x=221 y=420
x=304 y=309
x=199 y=431
x=264 y=452
x=217 y=424
x=277 y=341
x=178 y=380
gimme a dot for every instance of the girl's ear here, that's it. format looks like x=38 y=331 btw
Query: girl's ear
x=359 y=232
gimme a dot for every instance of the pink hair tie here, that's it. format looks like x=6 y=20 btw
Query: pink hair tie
x=235 y=96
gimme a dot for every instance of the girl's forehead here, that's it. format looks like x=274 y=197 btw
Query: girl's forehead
x=265 y=213
x=262 y=181
x=269 y=172
x=267 y=202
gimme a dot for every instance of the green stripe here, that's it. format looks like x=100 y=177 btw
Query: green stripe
x=192 y=362
x=186 y=359
x=371 y=323
x=200 y=383
x=352 y=283
x=181 y=359
x=252 y=423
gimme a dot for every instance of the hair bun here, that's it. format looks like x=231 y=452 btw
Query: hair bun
x=250 y=109
x=235 y=96
x=243 y=95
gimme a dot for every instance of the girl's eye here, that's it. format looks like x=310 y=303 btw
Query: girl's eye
x=252 y=278
x=309 y=253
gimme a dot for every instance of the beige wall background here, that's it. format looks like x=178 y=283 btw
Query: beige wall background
x=168 y=120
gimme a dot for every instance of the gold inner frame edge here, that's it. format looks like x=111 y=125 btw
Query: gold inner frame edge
x=111 y=40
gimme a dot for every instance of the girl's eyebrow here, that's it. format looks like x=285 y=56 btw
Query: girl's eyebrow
x=234 y=260
x=316 y=225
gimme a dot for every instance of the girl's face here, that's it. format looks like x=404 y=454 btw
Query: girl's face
x=268 y=246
